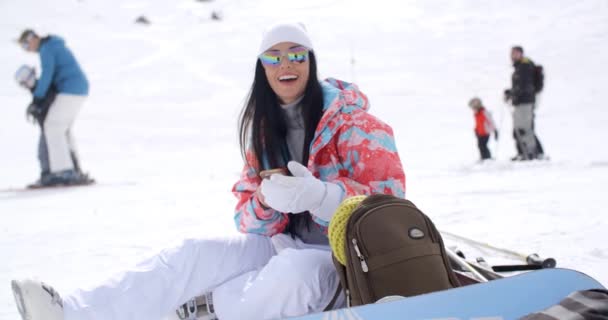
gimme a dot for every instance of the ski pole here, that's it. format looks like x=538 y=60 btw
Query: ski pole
x=515 y=267
x=530 y=259
x=534 y=259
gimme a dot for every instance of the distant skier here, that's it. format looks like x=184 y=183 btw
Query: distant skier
x=484 y=127
x=281 y=266
x=522 y=95
x=60 y=71
x=26 y=77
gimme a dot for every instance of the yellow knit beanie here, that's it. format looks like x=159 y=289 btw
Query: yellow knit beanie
x=337 y=226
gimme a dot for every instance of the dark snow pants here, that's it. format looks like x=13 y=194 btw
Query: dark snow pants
x=482 y=144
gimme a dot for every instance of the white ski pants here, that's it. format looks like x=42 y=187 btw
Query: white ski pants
x=251 y=277
x=58 y=133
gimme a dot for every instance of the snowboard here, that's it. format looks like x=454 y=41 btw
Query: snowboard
x=502 y=299
x=86 y=182
x=35 y=188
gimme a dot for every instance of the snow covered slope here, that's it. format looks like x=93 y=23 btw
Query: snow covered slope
x=159 y=129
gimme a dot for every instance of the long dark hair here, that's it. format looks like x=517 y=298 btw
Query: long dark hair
x=263 y=129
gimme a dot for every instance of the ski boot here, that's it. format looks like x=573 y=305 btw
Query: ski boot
x=62 y=179
x=36 y=300
x=199 y=308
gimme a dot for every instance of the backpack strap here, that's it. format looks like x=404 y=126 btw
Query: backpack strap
x=342 y=286
x=332 y=303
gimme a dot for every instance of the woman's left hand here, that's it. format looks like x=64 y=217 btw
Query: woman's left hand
x=299 y=193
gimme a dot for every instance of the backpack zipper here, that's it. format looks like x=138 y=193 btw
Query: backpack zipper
x=361 y=257
x=347 y=298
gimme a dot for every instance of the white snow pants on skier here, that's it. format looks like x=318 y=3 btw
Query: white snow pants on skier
x=251 y=277
x=57 y=130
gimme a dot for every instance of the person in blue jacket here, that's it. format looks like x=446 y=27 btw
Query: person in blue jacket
x=60 y=71
x=26 y=77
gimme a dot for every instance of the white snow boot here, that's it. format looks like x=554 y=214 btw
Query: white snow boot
x=37 y=300
x=199 y=308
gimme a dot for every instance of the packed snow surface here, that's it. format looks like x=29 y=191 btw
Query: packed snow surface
x=158 y=131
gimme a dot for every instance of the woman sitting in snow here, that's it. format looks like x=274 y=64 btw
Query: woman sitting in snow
x=281 y=265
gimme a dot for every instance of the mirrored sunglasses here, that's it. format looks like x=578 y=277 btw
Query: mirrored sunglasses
x=274 y=57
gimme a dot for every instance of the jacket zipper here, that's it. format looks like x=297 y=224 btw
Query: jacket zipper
x=348 y=303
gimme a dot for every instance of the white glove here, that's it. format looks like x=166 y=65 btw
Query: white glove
x=302 y=192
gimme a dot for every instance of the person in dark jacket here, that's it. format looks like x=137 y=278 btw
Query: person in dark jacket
x=60 y=71
x=522 y=96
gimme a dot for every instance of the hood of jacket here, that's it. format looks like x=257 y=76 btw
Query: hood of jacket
x=340 y=100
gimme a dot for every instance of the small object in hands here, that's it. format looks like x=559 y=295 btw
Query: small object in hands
x=496 y=135
x=267 y=173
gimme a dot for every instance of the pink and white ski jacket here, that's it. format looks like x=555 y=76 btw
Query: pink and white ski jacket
x=351 y=148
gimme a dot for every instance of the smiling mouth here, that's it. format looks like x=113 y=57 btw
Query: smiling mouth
x=288 y=78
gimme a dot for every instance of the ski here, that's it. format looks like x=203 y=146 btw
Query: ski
x=534 y=261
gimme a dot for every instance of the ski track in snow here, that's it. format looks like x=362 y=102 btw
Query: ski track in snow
x=165 y=99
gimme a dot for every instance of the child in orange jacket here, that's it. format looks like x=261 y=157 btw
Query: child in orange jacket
x=484 y=126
